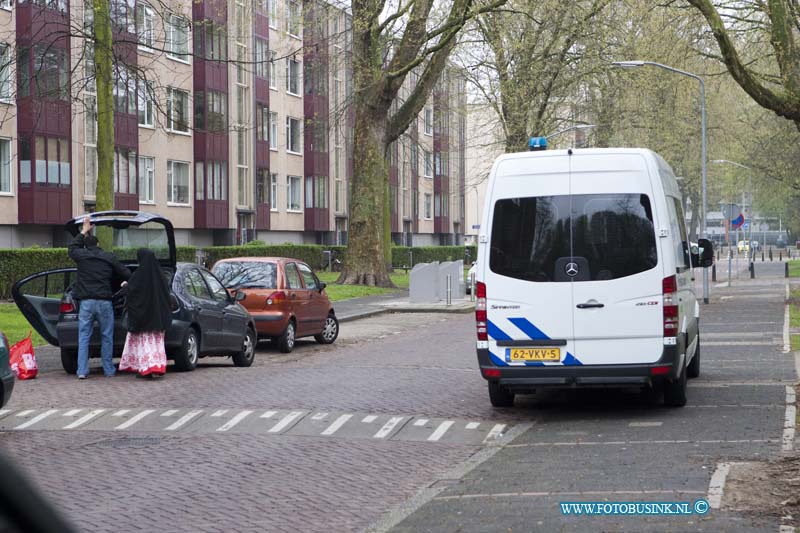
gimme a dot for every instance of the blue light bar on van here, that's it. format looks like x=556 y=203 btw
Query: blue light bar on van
x=537 y=143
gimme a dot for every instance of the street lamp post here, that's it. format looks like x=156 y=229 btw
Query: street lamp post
x=637 y=64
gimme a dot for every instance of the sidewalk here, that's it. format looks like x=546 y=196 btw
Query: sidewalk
x=397 y=302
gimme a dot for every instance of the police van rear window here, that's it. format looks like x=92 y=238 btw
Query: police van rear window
x=588 y=237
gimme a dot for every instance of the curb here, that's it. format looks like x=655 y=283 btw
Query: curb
x=362 y=314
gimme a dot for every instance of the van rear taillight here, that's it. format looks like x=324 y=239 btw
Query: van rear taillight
x=670 y=289
x=66 y=307
x=480 y=311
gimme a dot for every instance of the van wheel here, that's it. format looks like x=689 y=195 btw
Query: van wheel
x=187 y=355
x=499 y=396
x=675 y=391
x=693 y=370
x=69 y=360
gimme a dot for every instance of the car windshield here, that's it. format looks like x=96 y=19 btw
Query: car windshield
x=247 y=274
x=152 y=235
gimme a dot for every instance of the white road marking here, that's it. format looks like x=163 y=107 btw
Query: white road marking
x=26 y=412
x=269 y=414
x=219 y=413
x=645 y=424
x=183 y=420
x=339 y=422
x=720 y=285
x=369 y=419
x=171 y=412
x=4 y=411
x=235 y=420
x=494 y=432
x=569 y=493
x=85 y=418
x=789 y=421
x=440 y=431
x=72 y=412
x=388 y=427
x=128 y=423
x=716 y=487
x=787 y=344
x=645 y=442
x=122 y=412
x=786 y=529
x=472 y=425
x=319 y=416
x=36 y=419
x=420 y=422
x=285 y=421
x=738 y=343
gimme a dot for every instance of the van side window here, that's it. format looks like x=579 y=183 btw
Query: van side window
x=677 y=229
x=606 y=236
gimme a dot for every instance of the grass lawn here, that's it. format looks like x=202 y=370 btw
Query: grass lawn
x=794 y=268
x=345 y=292
x=14 y=325
x=794 y=308
x=795 y=340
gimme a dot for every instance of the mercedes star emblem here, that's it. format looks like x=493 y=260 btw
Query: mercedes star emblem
x=571 y=269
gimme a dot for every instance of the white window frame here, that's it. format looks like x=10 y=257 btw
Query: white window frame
x=171 y=109
x=5 y=167
x=296 y=18
x=289 y=196
x=427 y=206
x=273 y=191
x=6 y=74
x=427 y=164
x=273 y=70
x=147 y=180
x=289 y=122
x=293 y=76
x=273 y=131
x=169 y=29
x=170 y=181
x=147 y=33
x=145 y=97
x=6 y=4
x=272 y=13
x=428 y=121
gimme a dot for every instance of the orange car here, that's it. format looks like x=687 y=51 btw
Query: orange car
x=284 y=297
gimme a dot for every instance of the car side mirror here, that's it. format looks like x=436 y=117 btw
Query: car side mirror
x=239 y=296
x=322 y=286
x=703 y=253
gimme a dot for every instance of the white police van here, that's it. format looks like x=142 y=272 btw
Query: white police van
x=584 y=275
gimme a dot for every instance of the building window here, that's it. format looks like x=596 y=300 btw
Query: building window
x=216 y=111
x=294 y=136
x=293 y=76
x=123 y=15
x=309 y=192
x=273 y=192
x=177 y=110
x=217 y=179
x=52 y=160
x=428 y=162
x=293 y=17
x=5 y=166
x=90 y=119
x=243 y=187
x=125 y=172
x=339 y=196
x=215 y=42
x=262 y=186
x=124 y=91
x=272 y=8
x=199 y=181
x=273 y=131
x=262 y=123
x=144 y=104
x=321 y=192
x=177 y=183
x=428 y=121
x=177 y=37
x=145 y=25
x=147 y=178
x=90 y=163
x=273 y=71
x=51 y=77
x=5 y=72
x=262 y=58
x=294 y=185
x=427 y=206
x=6 y=4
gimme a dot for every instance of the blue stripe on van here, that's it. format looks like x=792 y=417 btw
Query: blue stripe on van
x=529 y=329
x=496 y=360
x=496 y=333
x=571 y=360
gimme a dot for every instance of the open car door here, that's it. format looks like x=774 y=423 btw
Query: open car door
x=38 y=297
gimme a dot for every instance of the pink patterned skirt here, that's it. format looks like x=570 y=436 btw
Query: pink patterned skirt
x=144 y=353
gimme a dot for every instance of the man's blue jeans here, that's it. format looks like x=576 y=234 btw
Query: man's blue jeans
x=103 y=312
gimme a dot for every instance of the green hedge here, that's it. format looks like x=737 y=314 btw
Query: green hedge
x=15 y=264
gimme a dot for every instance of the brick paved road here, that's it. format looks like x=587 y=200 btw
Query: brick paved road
x=419 y=369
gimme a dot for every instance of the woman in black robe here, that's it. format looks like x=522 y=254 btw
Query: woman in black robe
x=149 y=314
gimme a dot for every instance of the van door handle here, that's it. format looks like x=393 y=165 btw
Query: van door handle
x=590 y=305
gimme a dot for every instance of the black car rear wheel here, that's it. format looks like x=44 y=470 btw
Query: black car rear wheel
x=187 y=355
x=69 y=360
x=248 y=353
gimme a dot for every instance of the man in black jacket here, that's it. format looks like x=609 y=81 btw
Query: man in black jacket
x=96 y=271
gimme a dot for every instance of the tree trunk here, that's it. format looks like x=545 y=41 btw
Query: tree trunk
x=103 y=60
x=365 y=263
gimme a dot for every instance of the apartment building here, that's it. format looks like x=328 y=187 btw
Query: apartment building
x=231 y=117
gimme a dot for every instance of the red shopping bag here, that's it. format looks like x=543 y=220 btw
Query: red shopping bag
x=23 y=362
